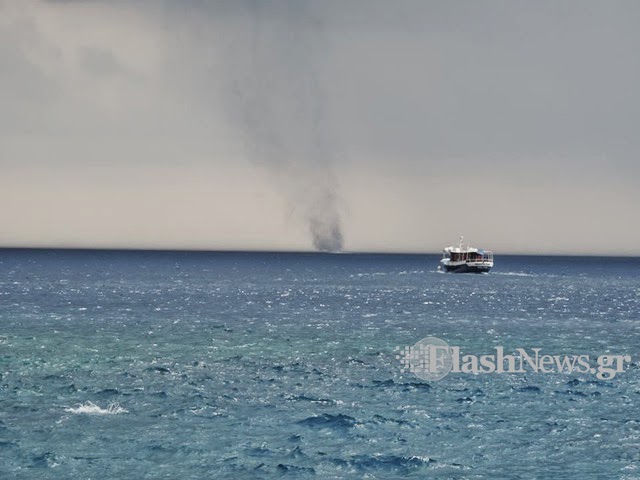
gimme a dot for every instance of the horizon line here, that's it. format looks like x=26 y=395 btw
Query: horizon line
x=310 y=251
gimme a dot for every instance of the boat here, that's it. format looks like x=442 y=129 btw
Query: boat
x=467 y=259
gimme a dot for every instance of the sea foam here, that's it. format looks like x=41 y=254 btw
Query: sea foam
x=91 y=408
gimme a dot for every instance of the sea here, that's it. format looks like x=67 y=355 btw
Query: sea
x=199 y=365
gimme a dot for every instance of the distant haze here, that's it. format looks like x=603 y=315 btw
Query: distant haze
x=361 y=125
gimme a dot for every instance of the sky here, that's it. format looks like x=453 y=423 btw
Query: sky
x=360 y=125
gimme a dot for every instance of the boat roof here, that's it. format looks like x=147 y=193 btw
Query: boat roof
x=468 y=249
x=462 y=250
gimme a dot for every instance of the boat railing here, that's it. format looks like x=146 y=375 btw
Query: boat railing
x=480 y=260
x=485 y=257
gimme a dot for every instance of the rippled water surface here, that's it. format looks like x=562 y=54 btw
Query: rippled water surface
x=258 y=365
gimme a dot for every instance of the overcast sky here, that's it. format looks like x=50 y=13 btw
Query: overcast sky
x=394 y=126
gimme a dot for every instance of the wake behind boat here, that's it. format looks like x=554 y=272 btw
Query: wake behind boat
x=467 y=259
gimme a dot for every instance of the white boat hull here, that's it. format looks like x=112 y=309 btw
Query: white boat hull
x=467 y=267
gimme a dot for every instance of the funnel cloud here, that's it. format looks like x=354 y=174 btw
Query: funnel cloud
x=277 y=100
x=324 y=224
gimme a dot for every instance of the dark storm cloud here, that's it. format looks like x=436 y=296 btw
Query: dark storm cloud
x=276 y=96
x=535 y=99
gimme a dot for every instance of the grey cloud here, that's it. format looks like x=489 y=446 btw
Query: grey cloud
x=100 y=62
x=523 y=95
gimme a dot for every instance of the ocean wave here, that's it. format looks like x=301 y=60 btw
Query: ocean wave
x=158 y=369
x=294 y=469
x=389 y=463
x=405 y=386
x=91 y=408
x=528 y=389
x=380 y=419
x=329 y=421
x=305 y=398
x=514 y=274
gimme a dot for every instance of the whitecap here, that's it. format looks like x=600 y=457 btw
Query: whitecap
x=514 y=274
x=91 y=408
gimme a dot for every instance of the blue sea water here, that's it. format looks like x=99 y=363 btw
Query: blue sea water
x=268 y=365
